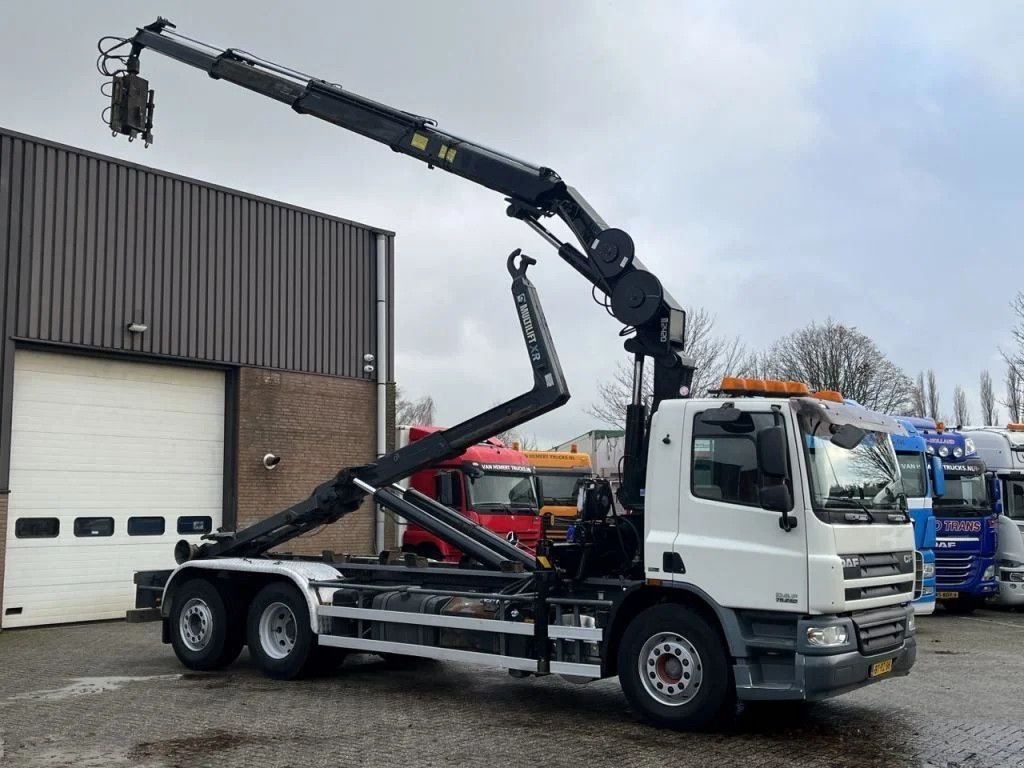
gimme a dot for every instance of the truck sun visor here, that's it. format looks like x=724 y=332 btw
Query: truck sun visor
x=827 y=413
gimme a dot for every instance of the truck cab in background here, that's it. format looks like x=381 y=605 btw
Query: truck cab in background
x=491 y=484
x=560 y=473
x=1002 y=450
x=923 y=480
x=966 y=521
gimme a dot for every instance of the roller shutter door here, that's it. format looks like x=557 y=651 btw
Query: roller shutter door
x=111 y=463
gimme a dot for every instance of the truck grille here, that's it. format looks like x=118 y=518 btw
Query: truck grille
x=881 y=630
x=953 y=570
x=858 y=567
x=918 y=575
x=878 y=564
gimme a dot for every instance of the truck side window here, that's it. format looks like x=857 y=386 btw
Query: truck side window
x=457 y=481
x=724 y=459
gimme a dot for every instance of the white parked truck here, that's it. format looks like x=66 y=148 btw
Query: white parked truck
x=762 y=555
x=1002 y=450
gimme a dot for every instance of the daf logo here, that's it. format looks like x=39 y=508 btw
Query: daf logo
x=512 y=538
x=851 y=562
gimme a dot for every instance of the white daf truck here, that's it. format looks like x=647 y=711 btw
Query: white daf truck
x=763 y=554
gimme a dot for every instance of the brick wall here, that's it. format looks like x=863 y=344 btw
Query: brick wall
x=317 y=425
x=3 y=543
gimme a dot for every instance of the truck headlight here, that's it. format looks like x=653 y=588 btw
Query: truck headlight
x=911 y=624
x=927 y=570
x=1017 y=576
x=827 y=637
x=990 y=573
x=928 y=591
x=970 y=445
x=944 y=451
x=958 y=452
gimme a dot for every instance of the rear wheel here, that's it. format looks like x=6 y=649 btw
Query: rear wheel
x=280 y=635
x=205 y=635
x=674 y=670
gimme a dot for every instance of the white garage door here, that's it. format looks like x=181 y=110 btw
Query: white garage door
x=111 y=463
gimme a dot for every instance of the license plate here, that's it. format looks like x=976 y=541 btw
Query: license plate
x=947 y=595
x=881 y=668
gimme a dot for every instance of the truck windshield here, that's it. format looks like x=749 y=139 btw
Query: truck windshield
x=495 y=491
x=863 y=479
x=560 y=487
x=914 y=473
x=965 y=496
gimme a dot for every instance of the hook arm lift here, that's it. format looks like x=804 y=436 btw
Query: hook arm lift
x=605 y=257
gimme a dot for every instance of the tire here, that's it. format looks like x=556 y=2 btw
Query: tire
x=686 y=682
x=962 y=606
x=430 y=551
x=203 y=635
x=281 y=640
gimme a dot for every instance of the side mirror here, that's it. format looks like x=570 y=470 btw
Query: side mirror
x=445 y=488
x=772 y=453
x=848 y=436
x=776 y=498
x=938 y=477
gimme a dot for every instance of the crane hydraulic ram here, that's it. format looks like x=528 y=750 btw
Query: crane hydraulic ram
x=654 y=322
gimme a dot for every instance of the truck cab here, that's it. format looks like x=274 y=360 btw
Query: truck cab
x=560 y=473
x=491 y=484
x=923 y=480
x=966 y=522
x=1002 y=450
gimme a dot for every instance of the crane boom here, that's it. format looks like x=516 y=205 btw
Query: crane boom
x=605 y=257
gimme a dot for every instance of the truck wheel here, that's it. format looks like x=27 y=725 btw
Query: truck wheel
x=280 y=638
x=202 y=636
x=674 y=670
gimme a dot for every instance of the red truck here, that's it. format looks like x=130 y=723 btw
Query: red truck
x=491 y=484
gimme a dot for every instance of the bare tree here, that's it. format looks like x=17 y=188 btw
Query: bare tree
x=716 y=356
x=839 y=357
x=918 y=405
x=512 y=437
x=408 y=411
x=961 y=413
x=987 y=396
x=932 y=394
x=1014 y=358
x=1014 y=394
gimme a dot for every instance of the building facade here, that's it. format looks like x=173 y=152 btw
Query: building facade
x=163 y=342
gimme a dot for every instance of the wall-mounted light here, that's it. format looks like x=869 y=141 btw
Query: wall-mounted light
x=368 y=358
x=137 y=327
x=271 y=460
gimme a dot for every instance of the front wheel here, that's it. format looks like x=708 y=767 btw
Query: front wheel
x=674 y=670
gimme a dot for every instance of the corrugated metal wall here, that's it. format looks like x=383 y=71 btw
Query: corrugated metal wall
x=89 y=244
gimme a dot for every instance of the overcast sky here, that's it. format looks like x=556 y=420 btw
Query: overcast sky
x=776 y=163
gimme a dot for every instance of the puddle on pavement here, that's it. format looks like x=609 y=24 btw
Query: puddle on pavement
x=86 y=686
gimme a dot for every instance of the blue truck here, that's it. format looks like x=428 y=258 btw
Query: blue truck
x=966 y=521
x=923 y=481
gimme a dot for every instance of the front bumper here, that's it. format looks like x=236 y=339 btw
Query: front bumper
x=826 y=676
x=809 y=673
x=1010 y=593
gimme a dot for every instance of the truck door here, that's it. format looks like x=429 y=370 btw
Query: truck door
x=730 y=546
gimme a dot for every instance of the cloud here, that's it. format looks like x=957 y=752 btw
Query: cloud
x=776 y=163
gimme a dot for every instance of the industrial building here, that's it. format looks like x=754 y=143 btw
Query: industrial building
x=175 y=357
